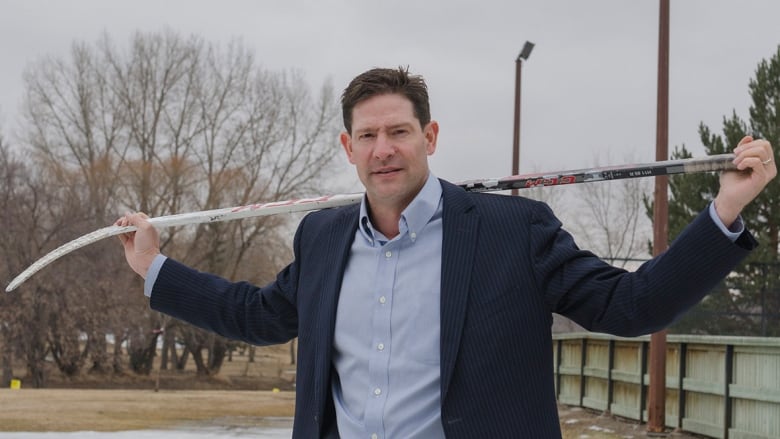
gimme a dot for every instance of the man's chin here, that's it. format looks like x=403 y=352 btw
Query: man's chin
x=386 y=182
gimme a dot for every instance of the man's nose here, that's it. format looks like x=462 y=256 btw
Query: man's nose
x=384 y=148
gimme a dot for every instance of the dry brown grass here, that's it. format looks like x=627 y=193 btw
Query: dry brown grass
x=239 y=396
x=117 y=410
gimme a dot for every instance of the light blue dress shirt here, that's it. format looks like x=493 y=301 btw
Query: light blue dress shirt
x=387 y=337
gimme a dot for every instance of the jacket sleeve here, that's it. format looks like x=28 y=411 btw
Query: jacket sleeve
x=604 y=298
x=237 y=310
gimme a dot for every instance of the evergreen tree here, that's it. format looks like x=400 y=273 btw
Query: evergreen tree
x=748 y=302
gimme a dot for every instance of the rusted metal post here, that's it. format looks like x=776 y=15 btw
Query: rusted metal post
x=657 y=395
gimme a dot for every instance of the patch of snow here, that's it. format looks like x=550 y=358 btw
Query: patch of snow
x=601 y=429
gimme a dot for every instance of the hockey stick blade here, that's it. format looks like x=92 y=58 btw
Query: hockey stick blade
x=712 y=163
x=206 y=216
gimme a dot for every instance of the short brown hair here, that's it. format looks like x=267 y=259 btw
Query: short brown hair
x=379 y=81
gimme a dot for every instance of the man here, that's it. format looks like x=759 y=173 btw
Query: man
x=425 y=312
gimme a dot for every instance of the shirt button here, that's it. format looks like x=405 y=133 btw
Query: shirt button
x=382 y=300
x=413 y=236
x=374 y=436
x=381 y=346
x=377 y=391
x=388 y=254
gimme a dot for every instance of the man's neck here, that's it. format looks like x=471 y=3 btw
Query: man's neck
x=386 y=213
x=385 y=219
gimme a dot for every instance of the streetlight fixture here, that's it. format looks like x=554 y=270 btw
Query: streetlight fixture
x=526 y=52
x=523 y=56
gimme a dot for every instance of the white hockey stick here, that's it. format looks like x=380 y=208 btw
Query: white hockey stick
x=205 y=216
x=669 y=167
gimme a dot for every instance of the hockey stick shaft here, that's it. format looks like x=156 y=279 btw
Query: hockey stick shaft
x=721 y=162
x=669 y=167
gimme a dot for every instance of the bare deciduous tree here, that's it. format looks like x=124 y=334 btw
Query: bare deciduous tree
x=168 y=125
x=31 y=215
x=611 y=221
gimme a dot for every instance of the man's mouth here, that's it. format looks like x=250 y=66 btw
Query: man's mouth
x=385 y=171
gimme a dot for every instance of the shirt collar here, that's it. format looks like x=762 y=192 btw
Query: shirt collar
x=413 y=219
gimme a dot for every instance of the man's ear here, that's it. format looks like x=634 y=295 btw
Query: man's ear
x=431 y=134
x=346 y=142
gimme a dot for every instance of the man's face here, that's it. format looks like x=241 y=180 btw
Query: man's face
x=389 y=149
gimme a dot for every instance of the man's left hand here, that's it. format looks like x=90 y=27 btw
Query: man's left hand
x=756 y=167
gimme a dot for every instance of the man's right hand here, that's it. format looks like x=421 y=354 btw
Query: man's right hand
x=141 y=246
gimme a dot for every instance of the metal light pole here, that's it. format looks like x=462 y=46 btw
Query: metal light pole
x=524 y=54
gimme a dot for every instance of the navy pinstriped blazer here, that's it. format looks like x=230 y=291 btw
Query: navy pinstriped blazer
x=506 y=265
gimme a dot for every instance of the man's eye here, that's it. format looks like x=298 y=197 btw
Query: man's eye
x=365 y=136
x=399 y=132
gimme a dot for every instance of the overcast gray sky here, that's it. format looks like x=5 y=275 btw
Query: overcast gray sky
x=589 y=87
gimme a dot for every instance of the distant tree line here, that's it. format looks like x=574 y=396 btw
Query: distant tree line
x=165 y=125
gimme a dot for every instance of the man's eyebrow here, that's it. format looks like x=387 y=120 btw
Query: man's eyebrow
x=388 y=127
x=400 y=125
x=364 y=130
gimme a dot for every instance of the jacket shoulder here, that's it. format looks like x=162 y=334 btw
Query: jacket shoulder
x=483 y=201
x=325 y=216
x=325 y=220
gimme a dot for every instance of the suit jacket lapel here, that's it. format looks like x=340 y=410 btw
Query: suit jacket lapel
x=336 y=252
x=333 y=258
x=460 y=225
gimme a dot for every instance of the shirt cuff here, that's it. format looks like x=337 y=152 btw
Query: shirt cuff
x=732 y=232
x=151 y=274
